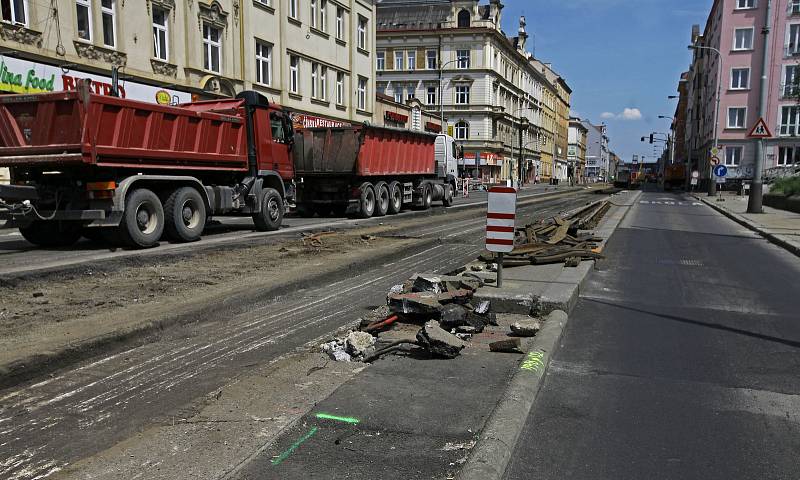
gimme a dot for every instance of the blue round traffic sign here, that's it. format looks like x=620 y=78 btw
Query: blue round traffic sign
x=720 y=170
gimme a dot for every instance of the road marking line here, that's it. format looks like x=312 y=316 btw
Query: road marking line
x=283 y=456
x=328 y=416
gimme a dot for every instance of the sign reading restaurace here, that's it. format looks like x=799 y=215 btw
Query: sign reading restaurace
x=501 y=217
x=24 y=76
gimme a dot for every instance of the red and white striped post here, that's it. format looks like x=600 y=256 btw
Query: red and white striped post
x=501 y=218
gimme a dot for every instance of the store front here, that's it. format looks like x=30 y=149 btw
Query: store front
x=483 y=166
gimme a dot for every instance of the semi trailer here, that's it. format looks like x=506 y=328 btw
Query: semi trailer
x=131 y=172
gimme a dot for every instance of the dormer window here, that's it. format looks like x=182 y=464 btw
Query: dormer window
x=463 y=19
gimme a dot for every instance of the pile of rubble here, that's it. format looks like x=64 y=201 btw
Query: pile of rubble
x=441 y=304
x=556 y=241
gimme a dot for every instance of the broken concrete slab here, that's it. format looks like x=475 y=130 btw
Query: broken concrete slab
x=424 y=303
x=359 y=343
x=425 y=282
x=511 y=345
x=526 y=328
x=453 y=316
x=432 y=338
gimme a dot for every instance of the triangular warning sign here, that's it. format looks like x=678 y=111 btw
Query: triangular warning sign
x=760 y=130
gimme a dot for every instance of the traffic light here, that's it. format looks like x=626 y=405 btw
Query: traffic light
x=643 y=139
x=651 y=138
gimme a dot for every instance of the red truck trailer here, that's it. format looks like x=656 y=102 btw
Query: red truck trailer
x=85 y=164
x=369 y=170
x=98 y=166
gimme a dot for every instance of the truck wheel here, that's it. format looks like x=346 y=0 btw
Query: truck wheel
x=427 y=196
x=395 y=198
x=366 y=202
x=51 y=233
x=143 y=221
x=448 y=195
x=185 y=213
x=270 y=217
x=382 y=199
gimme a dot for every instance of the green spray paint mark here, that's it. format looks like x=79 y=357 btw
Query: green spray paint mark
x=283 y=456
x=328 y=416
x=533 y=362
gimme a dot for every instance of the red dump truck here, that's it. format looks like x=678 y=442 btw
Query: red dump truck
x=98 y=166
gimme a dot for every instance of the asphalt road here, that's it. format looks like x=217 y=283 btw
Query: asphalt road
x=18 y=256
x=680 y=361
x=89 y=407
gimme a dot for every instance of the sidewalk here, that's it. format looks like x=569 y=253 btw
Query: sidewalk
x=780 y=227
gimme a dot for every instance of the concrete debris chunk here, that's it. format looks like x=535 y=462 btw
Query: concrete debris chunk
x=397 y=289
x=526 y=328
x=425 y=303
x=466 y=329
x=483 y=307
x=512 y=345
x=438 y=342
x=427 y=283
x=359 y=343
x=478 y=322
x=453 y=316
x=336 y=350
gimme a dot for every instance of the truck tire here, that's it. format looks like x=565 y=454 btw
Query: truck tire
x=51 y=233
x=270 y=217
x=448 y=195
x=366 y=202
x=427 y=196
x=185 y=213
x=143 y=220
x=382 y=199
x=395 y=198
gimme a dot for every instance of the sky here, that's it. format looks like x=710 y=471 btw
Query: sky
x=622 y=58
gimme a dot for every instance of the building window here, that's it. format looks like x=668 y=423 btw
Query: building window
x=412 y=60
x=737 y=117
x=14 y=11
x=743 y=39
x=323 y=82
x=107 y=10
x=267 y=3
x=740 y=78
x=84 y=16
x=362 y=93
x=362 y=33
x=160 y=34
x=430 y=59
x=463 y=19
x=788 y=156
x=323 y=10
x=790 y=118
x=410 y=93
x=340 y=23
x=733 y=156
x=742 y=4
x=212 y=48
x=462 y=130
x=313 y=6
x=398 y=60
x=380 y=61
x=794 y=7
x=263 y=63
x=314 y=75
x=462 y=94
x=793 y=42
x=430 y=99
x=398 y=94
x=339 y=88
x=462 y=57
x=293 y=9
x=791 y=80
x=294 y=74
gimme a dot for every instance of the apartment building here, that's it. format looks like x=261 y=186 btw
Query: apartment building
x=576 y=148
x=597 y=152
x=555 y=123
x=454 y=57
x=314 y=56
x=728 y=55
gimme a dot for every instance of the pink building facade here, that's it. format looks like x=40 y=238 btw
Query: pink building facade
x=735 y=29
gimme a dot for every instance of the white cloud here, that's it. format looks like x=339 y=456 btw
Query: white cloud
x=631 y=114
x=627 y=114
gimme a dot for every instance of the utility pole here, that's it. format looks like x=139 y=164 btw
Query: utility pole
x=754 y=202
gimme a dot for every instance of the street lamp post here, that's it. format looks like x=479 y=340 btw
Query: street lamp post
x=712 y=185
x=671 y=140
x=441 y=88
x=524 y=124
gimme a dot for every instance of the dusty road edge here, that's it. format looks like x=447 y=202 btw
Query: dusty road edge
x=772 y=238
x=491 y=456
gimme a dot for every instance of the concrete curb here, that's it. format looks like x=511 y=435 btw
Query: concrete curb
x=490 y=457
x=499 y=438
x=772 y=238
